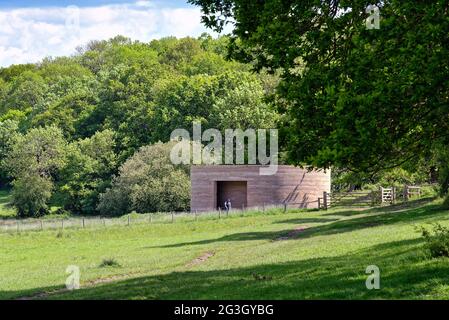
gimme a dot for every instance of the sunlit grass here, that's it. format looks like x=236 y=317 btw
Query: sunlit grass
x=293 y=255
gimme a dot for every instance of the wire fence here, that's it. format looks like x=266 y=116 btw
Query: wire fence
x=328 y=200
x=31 y=224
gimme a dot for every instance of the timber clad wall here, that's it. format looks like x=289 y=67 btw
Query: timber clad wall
x=289 y=185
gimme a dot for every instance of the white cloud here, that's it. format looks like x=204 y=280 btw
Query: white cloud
x=30 y=34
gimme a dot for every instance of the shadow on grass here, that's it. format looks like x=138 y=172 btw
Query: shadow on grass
x=385 y=209
x=404 y=275
x=383 y=217
x=306 y=220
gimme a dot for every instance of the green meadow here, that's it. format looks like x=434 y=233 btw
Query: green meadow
x=258 y=255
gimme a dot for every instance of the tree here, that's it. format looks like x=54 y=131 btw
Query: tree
x=181 y=52
x=209 y=63
x=26 y=92
x=87 y=172
x=15 y=70
x=8 y=130
x=244 y=107
x=126 y=106
x=442 y=164
x=229 y=100
x=41 y=151
x=181 y=100
x=83 y=116
x=148 y=182
x=34 y=162
x=31 y=194
x=72 y=112
x=362 y=99
x=63 y=67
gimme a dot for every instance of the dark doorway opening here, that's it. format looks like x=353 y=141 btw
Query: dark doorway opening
x=236 y=191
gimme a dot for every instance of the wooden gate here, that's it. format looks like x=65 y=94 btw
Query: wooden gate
x=348 y=199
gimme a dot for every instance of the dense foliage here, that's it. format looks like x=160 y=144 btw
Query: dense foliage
x=33 y=162
x=357 y=98
x=148 y=182
x=67 y=124
x=437 y=240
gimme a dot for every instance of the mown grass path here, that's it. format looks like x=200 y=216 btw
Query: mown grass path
x=293 y=255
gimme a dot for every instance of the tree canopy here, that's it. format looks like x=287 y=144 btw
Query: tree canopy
x=364 y=99
x=68 y=124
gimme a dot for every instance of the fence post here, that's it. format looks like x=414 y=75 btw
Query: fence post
x=325 y=200
x=42 y=226
x=285 y=207
x=393 y=195
x=263 y=207
x=172 y=217
x=405 y=193
x=128 y=220
x=196 y=218
x=83 y=223
x=219 y=213
x=319 y=203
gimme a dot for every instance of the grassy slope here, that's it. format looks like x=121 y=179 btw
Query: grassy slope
x=327 y=260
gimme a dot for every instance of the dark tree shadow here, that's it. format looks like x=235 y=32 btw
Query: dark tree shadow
x=413 y=216
x=306 y=220
x=384 y=209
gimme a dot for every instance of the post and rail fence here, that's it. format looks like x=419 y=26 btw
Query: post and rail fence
x=383 y=196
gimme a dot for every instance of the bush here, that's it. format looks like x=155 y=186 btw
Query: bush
x=437 y=240
x=169 y=193
x=109 y=263
x=148 y=182
x=31 y=194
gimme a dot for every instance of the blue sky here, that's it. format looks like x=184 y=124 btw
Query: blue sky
x=33 y=30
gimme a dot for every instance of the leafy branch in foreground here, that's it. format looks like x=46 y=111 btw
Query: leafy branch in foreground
x=361 y=99
x=437 y=240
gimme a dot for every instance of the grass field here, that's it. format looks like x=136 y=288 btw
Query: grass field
x=293 y=255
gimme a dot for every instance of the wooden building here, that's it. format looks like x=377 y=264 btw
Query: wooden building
x=246 y=188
